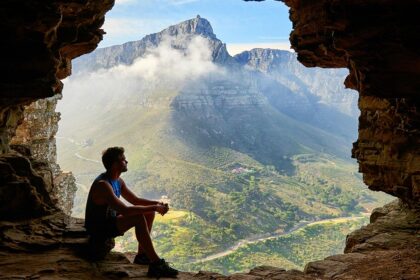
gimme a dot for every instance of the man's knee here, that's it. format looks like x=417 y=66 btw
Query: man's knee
x=150 y=215
x=141 y=220
x=142 y=224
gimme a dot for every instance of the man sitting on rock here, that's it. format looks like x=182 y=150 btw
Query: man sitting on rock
x=107 y=216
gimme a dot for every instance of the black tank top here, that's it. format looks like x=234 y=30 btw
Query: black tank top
x=96 y=215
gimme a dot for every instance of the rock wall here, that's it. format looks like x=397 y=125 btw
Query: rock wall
x=40 y=38
x=388 y=148
x=38 y=129
x=24 y=189
x=36 y=134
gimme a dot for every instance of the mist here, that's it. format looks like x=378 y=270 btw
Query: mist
x=163 y=68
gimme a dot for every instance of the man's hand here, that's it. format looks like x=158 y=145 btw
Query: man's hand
x=162 y=208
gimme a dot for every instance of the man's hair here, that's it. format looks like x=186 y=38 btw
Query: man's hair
x=111 y=155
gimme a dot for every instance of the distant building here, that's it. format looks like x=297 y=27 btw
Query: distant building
x=165 y=199
x=240 y=170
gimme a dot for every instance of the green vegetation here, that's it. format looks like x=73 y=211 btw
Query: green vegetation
x=222 y=194
x=186 y=240
x=181 y=236
x=291 y=251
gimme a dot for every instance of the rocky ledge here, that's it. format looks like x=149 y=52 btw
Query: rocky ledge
x=53 y=247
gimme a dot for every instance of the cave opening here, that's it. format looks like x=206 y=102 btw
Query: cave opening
x=386 y=149
x=188 y=142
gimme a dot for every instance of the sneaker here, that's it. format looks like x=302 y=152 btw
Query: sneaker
x=141 y=259
x=161 y=269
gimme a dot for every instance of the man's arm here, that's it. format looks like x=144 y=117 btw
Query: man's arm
x=134 y=199
x=103 y=194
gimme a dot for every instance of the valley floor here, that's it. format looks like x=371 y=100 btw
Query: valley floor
x=291 y=249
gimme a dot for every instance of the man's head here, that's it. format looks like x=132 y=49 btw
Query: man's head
x=114 y=157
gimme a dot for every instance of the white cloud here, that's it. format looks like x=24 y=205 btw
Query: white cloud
x=181 y=2
x=273 y=38
x=125 y=2
x=240 y=47
x=170 y=67
x=162 y=68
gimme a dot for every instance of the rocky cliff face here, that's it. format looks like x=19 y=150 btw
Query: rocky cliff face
x=316 y=96
x=280 y=66
x=387 y=148
x=40 y=49
x=177 y=36
x=325 y=85
x=39 y=52
x=42 y=39
x=376 y=41
x=35 y=136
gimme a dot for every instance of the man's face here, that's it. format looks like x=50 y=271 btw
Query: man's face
x=122 y=163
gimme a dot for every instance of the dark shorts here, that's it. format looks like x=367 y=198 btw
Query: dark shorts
x=108 y=229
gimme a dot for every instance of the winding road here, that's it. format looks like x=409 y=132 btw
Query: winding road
x=263 y=237
x=71 y=140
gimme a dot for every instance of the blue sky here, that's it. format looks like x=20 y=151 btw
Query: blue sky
x=241 y=25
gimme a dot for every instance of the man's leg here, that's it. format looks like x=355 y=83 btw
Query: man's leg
x=150 y=217
x=124 y=223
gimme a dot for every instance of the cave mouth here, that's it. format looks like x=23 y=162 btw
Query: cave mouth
x=386 y=149
x=81 y=144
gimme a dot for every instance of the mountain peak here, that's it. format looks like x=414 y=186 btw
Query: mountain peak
x=197 y=25
x=180 y=36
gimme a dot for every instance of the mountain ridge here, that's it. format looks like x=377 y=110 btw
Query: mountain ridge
x=267 y=80
x=262 y=58
x=126 y=53
x=283 y=64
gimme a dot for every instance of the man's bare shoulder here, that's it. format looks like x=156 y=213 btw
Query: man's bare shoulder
x=99 y=184
x=100 y=188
